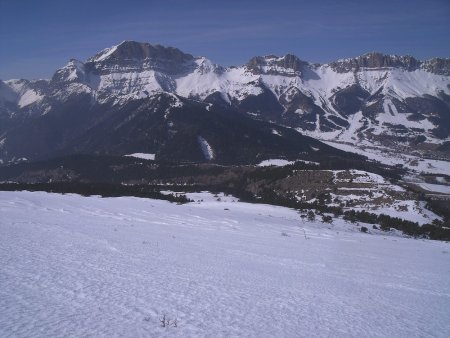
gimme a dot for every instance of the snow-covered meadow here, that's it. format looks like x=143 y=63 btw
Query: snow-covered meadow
x=74 y=266
x=415 y=164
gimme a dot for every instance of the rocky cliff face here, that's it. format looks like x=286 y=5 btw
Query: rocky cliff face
x=131 y=55
x=288 y=65
x=376 y=61
x=437 y=66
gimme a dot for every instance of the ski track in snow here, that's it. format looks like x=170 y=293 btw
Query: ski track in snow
x=73 y=266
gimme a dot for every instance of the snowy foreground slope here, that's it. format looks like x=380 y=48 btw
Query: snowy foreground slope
x=108 y=267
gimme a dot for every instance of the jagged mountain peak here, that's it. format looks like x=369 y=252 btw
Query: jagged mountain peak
x=205 y=65
x=288 y=64
x=73 y=71
x=133 y=56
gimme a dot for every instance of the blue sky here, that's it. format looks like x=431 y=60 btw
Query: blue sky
x=38 y=37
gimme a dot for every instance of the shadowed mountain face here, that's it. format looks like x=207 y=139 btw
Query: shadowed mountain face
x=173 y=128
x=136 y=97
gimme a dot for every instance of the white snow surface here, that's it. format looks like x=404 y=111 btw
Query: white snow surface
x=444 y=189
x=278 y=162
x=392 y=157
x=144 y=156
x=105 y=53
x=409 y=210
x=19 y=91
x=112 y=267
x=274 y=162
x=29 y=97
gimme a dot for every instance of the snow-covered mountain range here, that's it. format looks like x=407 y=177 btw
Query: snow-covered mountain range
x=375 y=99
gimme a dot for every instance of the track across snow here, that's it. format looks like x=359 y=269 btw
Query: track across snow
x=73 y=266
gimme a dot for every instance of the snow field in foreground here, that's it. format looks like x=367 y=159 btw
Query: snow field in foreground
x=110 y=267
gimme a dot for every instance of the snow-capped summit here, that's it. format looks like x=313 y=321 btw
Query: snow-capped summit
x=131 y=69
x=73 y=71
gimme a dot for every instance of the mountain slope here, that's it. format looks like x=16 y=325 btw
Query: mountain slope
x=173 y=128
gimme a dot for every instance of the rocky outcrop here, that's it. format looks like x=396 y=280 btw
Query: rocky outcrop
x=438 y=66
x=375 y=60
x=140 y=56
x=288 y=65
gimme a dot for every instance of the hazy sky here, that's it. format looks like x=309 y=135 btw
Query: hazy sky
x=39 y=36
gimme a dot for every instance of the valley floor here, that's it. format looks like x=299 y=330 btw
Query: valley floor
x=109 y=267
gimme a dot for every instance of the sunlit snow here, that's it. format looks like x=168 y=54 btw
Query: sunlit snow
x=29 y=97
x=110 y=267
x=144 y=156
x=274 y=162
